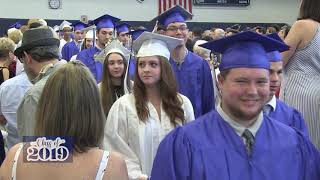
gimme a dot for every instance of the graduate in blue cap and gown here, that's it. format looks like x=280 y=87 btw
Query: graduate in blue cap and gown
x=276 y=108
x=132 y=62
x=105 y=29
x=74 y=47
x=237 y=141
x=122 y=33
x=192 y=72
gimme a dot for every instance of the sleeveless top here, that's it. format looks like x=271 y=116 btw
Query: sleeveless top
x=301 y=85
x=100 y=172
x=11 y=74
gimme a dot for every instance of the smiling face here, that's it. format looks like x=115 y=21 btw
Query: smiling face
x=149 y=70
x=244 y=92
x=178 y=30
x=116 y=65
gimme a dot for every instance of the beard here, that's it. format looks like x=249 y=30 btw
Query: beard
x=31 y=74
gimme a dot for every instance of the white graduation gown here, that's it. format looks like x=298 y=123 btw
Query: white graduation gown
x=137 y=141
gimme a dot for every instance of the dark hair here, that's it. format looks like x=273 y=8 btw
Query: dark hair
x=44 y=53
x=70 y=105
x=197 y=31
x=34 y=25
x=224 y=73
x=309 y=9
x=168 y=91
x=286 y=30
x=107 y=89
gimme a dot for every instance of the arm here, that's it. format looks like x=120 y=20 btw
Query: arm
x=6 y=167
x=26 y=116
x=207 y=95
x=299 y=123
x=5 y=73
x=173 y=158
x=117 y=168
x=293 y=39
x=116 y=137
x=187 y=108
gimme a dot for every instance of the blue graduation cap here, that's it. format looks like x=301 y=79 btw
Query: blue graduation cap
x=274 y=56
x=246 y=49
x=16 y=25
x=136 y=33
x=78 y=25
x=105 y=21
x=174 y=14
x=123 y=27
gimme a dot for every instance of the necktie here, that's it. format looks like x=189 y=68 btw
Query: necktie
x=249 y=138
x=267 y=109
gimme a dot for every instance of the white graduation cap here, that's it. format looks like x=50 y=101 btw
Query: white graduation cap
x=113 y=47
x=90 y=34
x=116 y=47
x=153 y=44
x=65 y=24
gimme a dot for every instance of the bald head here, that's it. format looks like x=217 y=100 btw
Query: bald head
x=218 y=33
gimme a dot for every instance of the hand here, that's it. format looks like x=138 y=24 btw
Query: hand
x=143 y=177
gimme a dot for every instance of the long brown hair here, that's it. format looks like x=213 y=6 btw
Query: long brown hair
x=309 y=9
x=168 y=91
x=70 y=106
x=107 y=89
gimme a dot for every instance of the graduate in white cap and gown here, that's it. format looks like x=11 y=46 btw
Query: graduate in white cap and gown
x=138 y=121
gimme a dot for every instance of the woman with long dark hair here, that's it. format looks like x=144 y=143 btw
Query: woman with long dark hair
x=114 y=83
x=137 y=122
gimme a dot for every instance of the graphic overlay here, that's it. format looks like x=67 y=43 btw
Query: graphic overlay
x=47 y=149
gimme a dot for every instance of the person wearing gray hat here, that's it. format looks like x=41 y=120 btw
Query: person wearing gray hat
x=39 y=53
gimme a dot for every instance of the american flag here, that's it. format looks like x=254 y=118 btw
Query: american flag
x=167 y=4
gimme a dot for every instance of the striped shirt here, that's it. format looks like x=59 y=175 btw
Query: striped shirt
x=301 y=86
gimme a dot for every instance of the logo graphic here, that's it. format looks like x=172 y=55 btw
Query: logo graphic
x=47 y=149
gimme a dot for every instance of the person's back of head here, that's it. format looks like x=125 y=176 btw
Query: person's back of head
x=70 y=106
x=41 y=43
x=15 y=35
x=309 y=9
x=7 y=46
x=197 y=32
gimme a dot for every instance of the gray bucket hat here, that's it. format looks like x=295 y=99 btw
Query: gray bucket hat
x=42 y=36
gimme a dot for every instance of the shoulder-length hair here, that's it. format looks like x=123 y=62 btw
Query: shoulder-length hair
x=171 y=103
x=107 y=89
x=70 y=106
x=309 y=9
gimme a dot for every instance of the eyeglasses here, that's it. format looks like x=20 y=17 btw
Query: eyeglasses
x=175 y=29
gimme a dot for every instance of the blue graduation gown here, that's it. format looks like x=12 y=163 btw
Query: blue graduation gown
x=86 y=57
x=68 y=50
x=195 y=81
x=209 y=149
x=132 y=67
x=289 y=116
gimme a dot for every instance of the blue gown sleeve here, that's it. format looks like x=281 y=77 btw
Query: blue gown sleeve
x=299 y=123
x=173 y=158
x=311 y=159
x=64 y=52
x=208 y=101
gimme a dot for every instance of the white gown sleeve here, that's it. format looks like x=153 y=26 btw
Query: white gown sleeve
x=116 y=137
x=188 y=109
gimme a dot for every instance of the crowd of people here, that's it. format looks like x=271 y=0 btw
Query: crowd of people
x=235 y=103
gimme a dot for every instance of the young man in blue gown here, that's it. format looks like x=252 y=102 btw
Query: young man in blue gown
x=237 y=141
